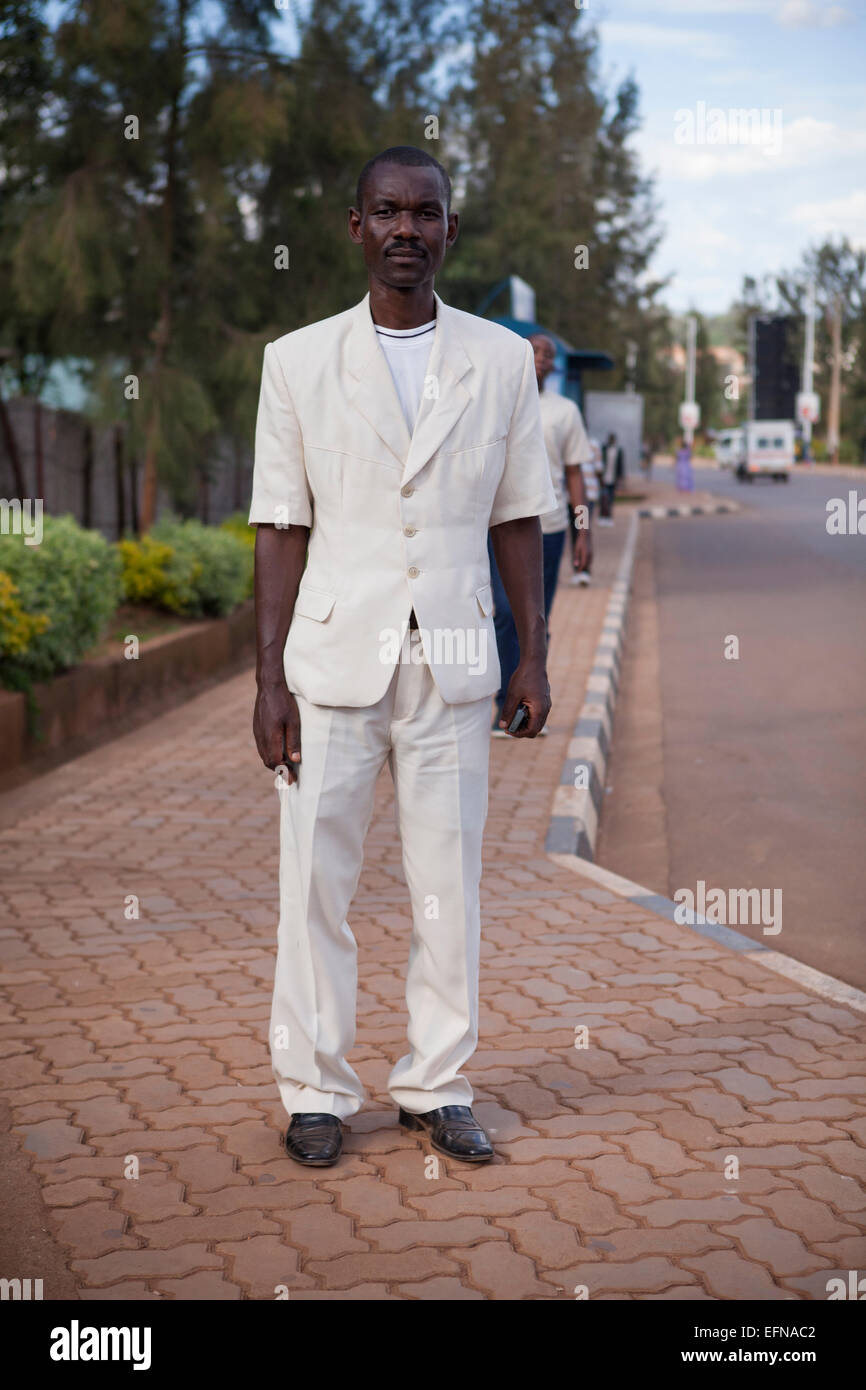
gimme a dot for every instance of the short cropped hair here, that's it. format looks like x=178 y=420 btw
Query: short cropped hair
x=401 y=154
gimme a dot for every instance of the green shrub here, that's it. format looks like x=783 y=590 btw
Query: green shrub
x=238 y=526
x=73 y=579
x=209 y=572
x=847 y=451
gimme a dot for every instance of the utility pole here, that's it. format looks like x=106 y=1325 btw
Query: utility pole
x=808 y=405
x=834 y=409
x=690 y=414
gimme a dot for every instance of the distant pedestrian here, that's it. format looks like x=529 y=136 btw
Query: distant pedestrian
x=685 y=476
x=581 y=539
x=612 y=473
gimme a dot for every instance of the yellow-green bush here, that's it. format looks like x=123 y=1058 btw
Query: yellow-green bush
x=71 y=577
x=188 y=568
x=17 y=628
x=144 y=569
x=238 y=526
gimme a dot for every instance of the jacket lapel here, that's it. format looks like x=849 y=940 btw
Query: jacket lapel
x=445 y=397
x=375 y=395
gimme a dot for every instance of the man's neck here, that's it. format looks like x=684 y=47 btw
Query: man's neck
x=401 y=308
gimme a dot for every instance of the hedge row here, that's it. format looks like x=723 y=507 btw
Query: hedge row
x=57 y=597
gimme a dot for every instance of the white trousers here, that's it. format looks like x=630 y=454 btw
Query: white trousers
x=438 y=759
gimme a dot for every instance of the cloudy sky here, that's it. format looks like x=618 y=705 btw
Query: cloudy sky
x=733 y=208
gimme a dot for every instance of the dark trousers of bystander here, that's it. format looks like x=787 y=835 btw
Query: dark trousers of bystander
x=507 y=644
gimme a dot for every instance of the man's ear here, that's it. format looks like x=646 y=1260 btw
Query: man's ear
x=453 y=228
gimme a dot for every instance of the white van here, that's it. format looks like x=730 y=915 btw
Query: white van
x=769 y=449
x=730 y=446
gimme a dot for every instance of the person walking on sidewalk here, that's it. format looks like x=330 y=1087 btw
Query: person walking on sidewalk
x=613 y=471
x=389 y=438
x=683 y=471
x=582 y=552
x=567 y=448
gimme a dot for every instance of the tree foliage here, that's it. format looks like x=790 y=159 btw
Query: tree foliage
x=176 y=176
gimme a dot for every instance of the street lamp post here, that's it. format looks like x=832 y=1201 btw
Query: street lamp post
x=808 y=405
x=690 y=412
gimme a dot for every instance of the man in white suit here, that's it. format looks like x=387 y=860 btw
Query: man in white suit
x=389 y=439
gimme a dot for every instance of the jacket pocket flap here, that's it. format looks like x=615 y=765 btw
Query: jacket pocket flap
x=314 y=603
x=485 y=600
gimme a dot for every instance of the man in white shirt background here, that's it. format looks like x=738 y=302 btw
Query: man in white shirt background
x=582 y=551
x=389 y=439
x=568 y=448
x=612 y=472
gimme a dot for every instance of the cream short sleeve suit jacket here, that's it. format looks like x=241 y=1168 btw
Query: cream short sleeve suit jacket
x=397 y=521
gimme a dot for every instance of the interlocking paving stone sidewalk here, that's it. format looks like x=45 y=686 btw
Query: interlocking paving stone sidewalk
x=147 y=1036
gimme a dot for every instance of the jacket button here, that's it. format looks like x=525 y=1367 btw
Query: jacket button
x=407 y=490
x=409 y=530
x=413 y=572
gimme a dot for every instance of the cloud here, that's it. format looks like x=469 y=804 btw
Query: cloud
x=697 y=43
x=699 y=7
x=844 y=216
x=712 y=294
x=805 y=142
x=797 y=14
x=740 y=77
x=812 y=14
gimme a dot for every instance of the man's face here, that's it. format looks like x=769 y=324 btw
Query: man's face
x=544 y=353
x=404 y=227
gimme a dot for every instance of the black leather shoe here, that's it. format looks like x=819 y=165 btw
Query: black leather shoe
x=454 y=1131
x=314 y=1139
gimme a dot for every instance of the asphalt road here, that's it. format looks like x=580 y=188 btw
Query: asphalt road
x=762 y=757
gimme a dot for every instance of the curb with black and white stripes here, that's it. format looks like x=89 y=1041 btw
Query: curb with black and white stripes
x=660 y=513
x=577 y=803
x=573 y=827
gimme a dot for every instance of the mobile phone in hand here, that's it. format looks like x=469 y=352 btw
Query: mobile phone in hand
x=519 y=719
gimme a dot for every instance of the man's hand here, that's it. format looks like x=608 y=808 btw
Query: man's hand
x=281 y=554
x=528 y=686
x=517 y=548
x=277 y=728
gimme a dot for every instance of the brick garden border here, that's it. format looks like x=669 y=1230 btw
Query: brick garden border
x=94 y=702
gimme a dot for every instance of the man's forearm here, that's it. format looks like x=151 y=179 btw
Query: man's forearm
x=280 y=558
x=517 y=548
x=576 y=486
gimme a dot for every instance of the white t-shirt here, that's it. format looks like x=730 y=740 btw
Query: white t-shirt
x=591 y=471
x=567 y=443
x=610 y=452
x=407 y=352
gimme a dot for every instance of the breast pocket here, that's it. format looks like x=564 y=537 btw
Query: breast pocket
x=491 y=468
x=481 y=450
